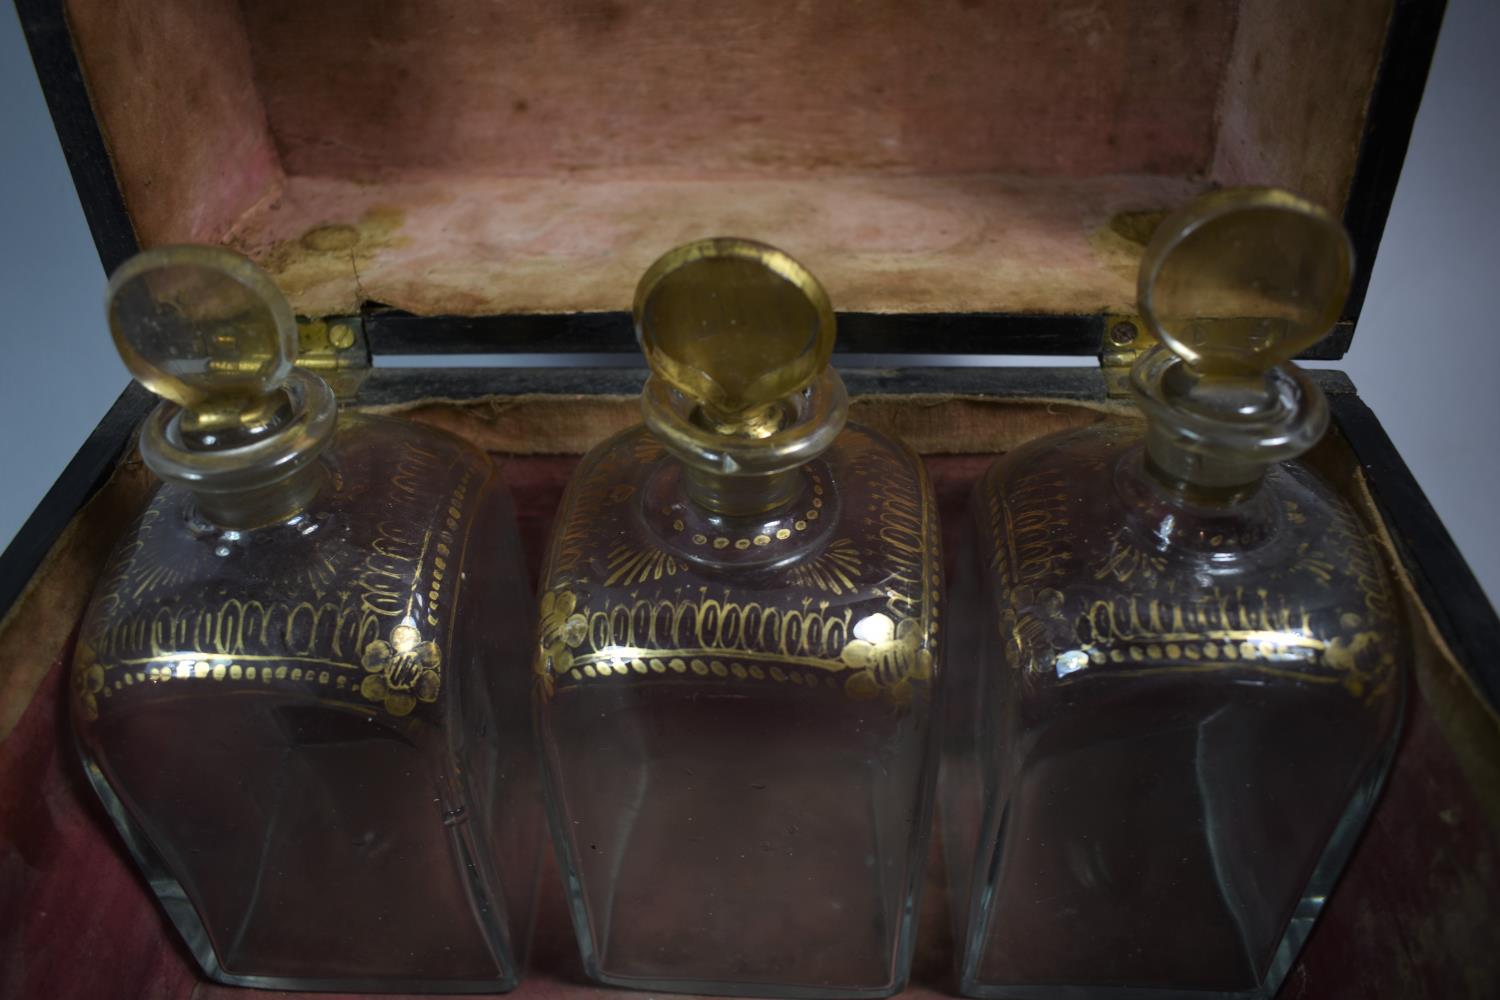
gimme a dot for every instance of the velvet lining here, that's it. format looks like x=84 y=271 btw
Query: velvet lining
x=501 y=157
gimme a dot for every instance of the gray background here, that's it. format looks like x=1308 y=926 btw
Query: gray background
x=1426 y=356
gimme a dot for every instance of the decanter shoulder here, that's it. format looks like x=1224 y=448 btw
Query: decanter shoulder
x=350 y=601
x=629 y=485
x=1094 y=577
x=839 y=591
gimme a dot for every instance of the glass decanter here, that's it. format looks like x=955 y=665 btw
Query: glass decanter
x=1187 y=672
x=737 y=656
x=298 y=690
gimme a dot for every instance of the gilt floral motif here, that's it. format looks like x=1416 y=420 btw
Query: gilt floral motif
x=560 y=631
x=1365 y=661
x=403 y=671
x=88 y=681
x=1027 y=627
x=886 y=658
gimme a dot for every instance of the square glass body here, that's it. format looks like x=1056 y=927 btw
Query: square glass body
x=315 y=736
x=1172 y=728
x=738 y=722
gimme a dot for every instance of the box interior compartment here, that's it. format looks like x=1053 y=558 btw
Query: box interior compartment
x=1412 y=916
x=485 y=158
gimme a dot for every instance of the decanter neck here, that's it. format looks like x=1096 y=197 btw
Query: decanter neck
x=1210 y=439
x=746 y=469
x=1175 y=518
x=1197 y=478
x=741 y=496
x=239 y=427
x=248 y=485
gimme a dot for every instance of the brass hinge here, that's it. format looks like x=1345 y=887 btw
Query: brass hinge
x=1125 y=339
x=335 y=348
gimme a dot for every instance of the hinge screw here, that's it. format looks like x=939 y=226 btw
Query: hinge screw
x=341 y=337
x=1122 y=333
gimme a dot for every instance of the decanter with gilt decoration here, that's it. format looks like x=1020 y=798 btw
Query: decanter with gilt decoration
x=297 y=689
x=1187 y=667
x=737 y=658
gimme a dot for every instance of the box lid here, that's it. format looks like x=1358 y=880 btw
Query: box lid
x=963 y=176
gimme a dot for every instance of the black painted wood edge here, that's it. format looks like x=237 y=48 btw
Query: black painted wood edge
x=1331 y=381
x=82 y=477
x=1332 y=347
x=1442 y=577
x=1411 y=38
x=392 y=332
x=45 y=25
x=392 y=386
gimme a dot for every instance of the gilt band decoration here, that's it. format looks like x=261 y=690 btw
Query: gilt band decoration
x=862 y=616
x=1152 y=631
x=362 y=620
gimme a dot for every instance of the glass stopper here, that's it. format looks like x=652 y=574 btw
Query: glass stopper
x=734 y=325
x=1241 y=280
x=208 y=330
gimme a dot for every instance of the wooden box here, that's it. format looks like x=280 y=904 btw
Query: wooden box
x=490 y=178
